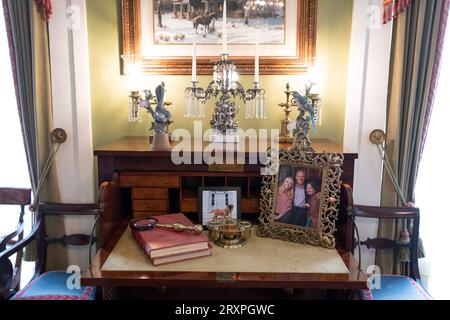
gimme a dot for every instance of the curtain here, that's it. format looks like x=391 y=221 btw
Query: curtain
x=30 y=58
x=26 y=25
x=415 y=60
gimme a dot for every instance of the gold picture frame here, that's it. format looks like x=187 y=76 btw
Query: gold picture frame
x=330 y=167
x=297 y=62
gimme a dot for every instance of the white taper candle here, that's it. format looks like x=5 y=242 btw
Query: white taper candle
x=257 y=57
x=194 y=58
x=224 y=26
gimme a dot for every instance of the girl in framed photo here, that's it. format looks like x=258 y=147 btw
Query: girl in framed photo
x=285 y=198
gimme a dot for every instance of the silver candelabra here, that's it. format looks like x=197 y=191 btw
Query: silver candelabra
x=225 y=87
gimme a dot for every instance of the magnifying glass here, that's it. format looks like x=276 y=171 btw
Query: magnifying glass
x=151 y=223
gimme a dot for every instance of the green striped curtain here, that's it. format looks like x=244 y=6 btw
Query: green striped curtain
x=28 y=34
x=417 y=42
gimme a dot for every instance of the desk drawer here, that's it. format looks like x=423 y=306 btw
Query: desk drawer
x=149 y=182
x=149 y=193
x=150 y=205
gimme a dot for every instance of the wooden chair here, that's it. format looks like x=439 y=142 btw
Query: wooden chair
x=19 y=198
x=394 y=287
x=47 y=285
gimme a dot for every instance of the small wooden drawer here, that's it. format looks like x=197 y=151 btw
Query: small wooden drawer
x=148 y=214
x=149 y=193
x=189 y=205
x=250 y=206
x=150 y=205
x=149 y=182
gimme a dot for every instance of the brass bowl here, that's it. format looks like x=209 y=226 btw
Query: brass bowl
x=230 y=233
x=246 y=229
x=229 y=229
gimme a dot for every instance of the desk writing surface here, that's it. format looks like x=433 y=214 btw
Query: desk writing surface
x=260 y=255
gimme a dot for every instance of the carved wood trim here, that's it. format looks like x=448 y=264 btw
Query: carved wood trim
x=306 y=47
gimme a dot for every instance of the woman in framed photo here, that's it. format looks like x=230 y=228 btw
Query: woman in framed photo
x=285 y=198
x=313 y=188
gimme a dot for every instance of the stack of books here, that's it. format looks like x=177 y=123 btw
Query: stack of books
x=164 y=246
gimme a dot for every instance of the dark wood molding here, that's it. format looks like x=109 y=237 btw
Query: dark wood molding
x=306 y=47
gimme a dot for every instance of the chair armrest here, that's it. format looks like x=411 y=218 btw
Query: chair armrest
x=20 y=245
x=6 y=239
x=385 y=212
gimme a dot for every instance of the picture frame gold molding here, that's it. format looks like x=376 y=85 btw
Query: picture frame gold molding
x=331 y=164
x=306 y=47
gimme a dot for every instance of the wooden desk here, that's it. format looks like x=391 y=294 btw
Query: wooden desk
x=111 y=281
x=135 y=171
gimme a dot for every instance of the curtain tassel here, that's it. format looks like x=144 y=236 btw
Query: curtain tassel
x=404 y=253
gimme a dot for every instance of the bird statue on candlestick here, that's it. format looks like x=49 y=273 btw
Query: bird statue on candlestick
x=303 y=121
x=162 y=117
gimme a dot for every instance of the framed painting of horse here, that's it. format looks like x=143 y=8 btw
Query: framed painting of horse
x=162 y=32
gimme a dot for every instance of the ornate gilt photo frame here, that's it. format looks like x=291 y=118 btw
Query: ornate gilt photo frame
x=304 y=31
x=330 y=167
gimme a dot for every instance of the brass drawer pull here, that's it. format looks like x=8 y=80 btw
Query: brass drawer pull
x=226 y=277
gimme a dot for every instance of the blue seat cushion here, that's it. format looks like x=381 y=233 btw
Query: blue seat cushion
x=53 y=286
x=397 y=288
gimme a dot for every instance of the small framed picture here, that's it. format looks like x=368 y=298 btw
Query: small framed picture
x=218 y=203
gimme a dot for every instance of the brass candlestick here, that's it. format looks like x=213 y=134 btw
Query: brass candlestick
x=286 y=135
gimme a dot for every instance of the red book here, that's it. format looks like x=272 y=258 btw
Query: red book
x=164 y=246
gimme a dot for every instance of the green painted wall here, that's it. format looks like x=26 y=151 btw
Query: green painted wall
x=109 y=89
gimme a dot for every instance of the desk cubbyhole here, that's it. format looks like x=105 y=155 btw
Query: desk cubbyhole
x=254 y=187
x=214 y=181
x=189 y=187
x=174 y=200
x=241 y=182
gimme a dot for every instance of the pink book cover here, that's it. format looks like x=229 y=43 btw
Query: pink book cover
x=159 y=238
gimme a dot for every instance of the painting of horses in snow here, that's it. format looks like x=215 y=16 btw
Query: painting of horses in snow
x=162 y=33
x=176 y=21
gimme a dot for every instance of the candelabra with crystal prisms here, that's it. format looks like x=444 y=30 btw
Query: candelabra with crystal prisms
x=224 y=87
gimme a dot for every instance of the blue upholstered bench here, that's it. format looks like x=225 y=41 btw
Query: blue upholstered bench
x=53 y=286
x=397 y=288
